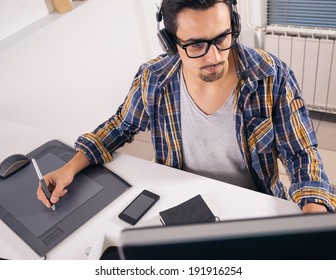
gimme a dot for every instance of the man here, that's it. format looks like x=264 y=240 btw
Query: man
x=215 y=108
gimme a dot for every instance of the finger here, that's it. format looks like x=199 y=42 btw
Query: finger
x=64 y=192
x=57 y=193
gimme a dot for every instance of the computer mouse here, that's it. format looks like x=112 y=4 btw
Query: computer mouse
x=12 y=163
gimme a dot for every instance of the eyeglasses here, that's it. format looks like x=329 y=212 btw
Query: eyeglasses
x=200 y=48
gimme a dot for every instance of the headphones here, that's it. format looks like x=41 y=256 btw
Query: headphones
x=167 y=41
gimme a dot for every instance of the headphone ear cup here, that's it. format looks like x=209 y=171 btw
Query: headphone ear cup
x=167 y=42
x=235 y=23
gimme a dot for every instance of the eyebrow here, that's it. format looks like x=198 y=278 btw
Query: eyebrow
x=192 y=40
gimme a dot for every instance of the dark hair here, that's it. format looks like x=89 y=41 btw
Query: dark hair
x=171 y=9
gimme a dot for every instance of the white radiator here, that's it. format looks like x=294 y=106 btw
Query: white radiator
x=311 y=53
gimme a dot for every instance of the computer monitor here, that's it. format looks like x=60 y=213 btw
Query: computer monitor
x=303 y=236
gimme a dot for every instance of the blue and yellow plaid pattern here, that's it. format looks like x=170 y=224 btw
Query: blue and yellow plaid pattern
x=272 y=122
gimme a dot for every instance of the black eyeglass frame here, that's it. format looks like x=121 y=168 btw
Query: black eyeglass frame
x=209 y=43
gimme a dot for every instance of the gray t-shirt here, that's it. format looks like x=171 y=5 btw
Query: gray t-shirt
x=209 y=142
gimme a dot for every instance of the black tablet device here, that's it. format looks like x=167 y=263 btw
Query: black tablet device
x=42 y=228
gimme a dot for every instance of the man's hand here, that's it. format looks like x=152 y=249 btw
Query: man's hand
x=314 y=208
x=59 y=179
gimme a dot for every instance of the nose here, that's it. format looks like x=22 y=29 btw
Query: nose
x=213 y=54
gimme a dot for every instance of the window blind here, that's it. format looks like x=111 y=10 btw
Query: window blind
x=312 y=13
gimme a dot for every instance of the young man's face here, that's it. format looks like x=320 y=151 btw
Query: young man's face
x=195 y=25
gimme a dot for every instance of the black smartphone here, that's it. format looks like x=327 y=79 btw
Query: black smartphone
x=138 y=207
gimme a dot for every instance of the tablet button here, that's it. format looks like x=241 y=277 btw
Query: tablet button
x=53 y=236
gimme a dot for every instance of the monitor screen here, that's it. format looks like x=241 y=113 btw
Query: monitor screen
x=304 y=236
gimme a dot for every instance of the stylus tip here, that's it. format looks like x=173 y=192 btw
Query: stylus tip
x=53 y=207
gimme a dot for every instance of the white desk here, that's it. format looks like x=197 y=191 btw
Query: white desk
x=174 y=186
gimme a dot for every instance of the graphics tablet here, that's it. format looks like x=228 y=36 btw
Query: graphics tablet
x=42 y=228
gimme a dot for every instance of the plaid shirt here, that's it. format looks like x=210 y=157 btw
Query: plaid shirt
x=271 y=121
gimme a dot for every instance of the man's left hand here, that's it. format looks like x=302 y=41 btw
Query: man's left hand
x=314 y=208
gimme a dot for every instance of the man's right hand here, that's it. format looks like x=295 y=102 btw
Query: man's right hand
x=59 y=179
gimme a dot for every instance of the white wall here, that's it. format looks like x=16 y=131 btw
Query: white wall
x=17 y=14
x=253 y=15
x=74 y=72
x=146 y=12
x=71 y=71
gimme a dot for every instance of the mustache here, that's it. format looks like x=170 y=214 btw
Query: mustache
x=212 y=65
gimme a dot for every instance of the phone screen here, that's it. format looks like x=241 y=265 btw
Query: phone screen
x=135 y=209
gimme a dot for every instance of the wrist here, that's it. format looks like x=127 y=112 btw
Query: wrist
x=77 y=163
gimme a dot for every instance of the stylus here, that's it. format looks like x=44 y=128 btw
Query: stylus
x=43 y=183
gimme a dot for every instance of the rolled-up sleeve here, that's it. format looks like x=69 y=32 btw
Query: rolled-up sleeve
x=297 y=146
x=130 y=118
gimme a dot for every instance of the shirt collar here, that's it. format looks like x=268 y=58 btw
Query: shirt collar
x=257 y=63
x=165 y=67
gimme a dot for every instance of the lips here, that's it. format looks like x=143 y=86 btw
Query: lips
x=213 y=68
